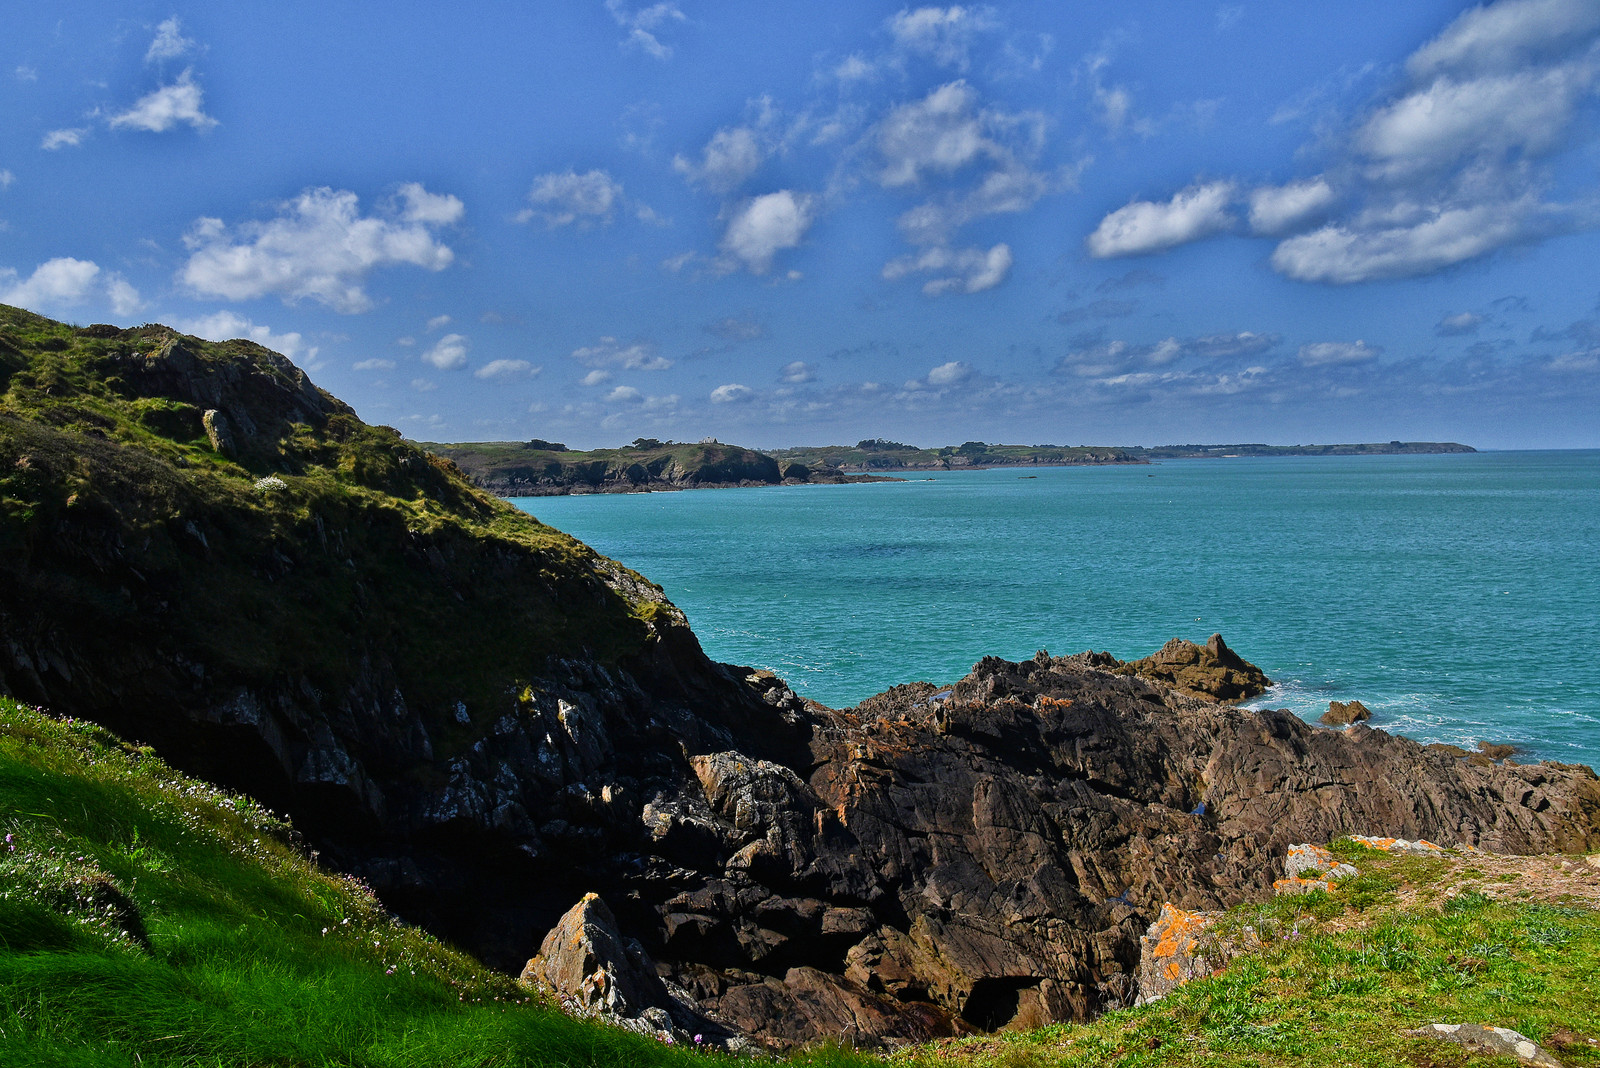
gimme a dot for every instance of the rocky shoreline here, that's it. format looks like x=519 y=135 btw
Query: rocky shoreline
x=487 y=722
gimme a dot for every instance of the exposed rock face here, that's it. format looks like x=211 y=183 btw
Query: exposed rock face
x=1210 y=670
x=1344 y=713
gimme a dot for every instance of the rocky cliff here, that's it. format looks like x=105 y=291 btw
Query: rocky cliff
x=488 y=722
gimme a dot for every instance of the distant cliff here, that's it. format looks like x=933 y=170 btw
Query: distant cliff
x=540 y=468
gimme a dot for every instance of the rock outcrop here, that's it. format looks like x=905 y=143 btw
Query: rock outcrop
x=1344 y=713
x=1210 y=670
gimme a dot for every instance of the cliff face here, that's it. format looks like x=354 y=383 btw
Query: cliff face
x=517 y=469
x=486 y=720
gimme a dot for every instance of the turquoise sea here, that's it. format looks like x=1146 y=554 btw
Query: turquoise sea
x=1457 y=596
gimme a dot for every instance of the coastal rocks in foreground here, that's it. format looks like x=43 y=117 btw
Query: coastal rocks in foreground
x=1210 y=670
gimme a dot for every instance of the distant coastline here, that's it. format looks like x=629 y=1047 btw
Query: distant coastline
x=539 y=468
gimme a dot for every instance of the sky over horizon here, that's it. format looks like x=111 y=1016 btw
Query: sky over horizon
x=787 y=224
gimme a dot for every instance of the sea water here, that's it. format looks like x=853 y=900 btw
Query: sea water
x=1455 y=595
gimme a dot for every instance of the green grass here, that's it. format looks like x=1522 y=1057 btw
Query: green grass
x=1339 y=980
x=149 y=919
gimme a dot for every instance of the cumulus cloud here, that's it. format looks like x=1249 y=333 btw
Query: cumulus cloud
x=1151 y=226
x=507 y=369
x=1282 y=209
x=644 y=24
x=1009 y=190
x=1335 y=353
x=448 y=353
x=1459 y=324
x=949 y=374
x=798 y=373
x=438 y=322
x=227 y=325
x=1093 y=358
x=561 y=199
x=6 y=178
x=624 y=395
x=169 y=43
x=942 y=132
x=763 y=226
x=68 y=138
x=729 y=158
x=1434 y=239
x=941 y=34
x=968 y=270
x=596 y=377
x=1503 y=36
x=372 y=365
x=123 y=296
x=609 y=352
x=319 y=247
x=171 y=105
x=732 y=393
x=59 y=282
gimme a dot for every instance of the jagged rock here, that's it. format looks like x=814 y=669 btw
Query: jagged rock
x=1171 y=952
x=1419 y=848
x=219 y=433
x=1311 y=867
x=1344 y=713
x=1211 y=670
x=1492 y=1041
x=584 y=958
x=1496 y=750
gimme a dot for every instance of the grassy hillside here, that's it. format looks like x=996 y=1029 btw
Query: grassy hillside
x=149 y=919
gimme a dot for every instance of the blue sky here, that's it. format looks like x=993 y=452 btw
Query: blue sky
x=781 y=224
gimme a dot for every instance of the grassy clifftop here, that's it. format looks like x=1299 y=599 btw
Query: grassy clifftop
x=532 y=468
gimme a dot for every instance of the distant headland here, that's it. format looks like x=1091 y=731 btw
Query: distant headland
x=540 y=468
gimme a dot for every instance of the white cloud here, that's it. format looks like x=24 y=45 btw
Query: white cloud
x=763 y=226
x=1458 y=324
x=373 y=365
x=609 y=352
x=644 y=24
x=596 y=377
x=1437 y=125
x=942 y=34
x=729 y=158
x=968 y=270
x=949 y=374
x=507 y=369
x=320 y=246
x=624 y=395
x=732 y=393
x=941 y=132
x=1147 y=226
x=854 y=68
x=438 y=322
x=123 y=296
x=423 y=385
x=1506 y=35
x=180 y=102
x=798 y=373
x=169 y=43
x=1280 y=209
x=1010 y=190
x=6 y=178
x=60 y=282
x=561 y=199
x=68 y=138
x=448 y=353
x=1335 y=353
x=430 y=209
x=25 y=73
x=226 y=325
x=1439 y=238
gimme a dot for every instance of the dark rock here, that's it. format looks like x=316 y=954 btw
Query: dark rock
x=1344 y=713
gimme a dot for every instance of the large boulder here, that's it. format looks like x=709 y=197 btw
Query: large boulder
x=1344 y=713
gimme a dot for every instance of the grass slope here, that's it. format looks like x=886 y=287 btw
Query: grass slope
x=148 y=919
